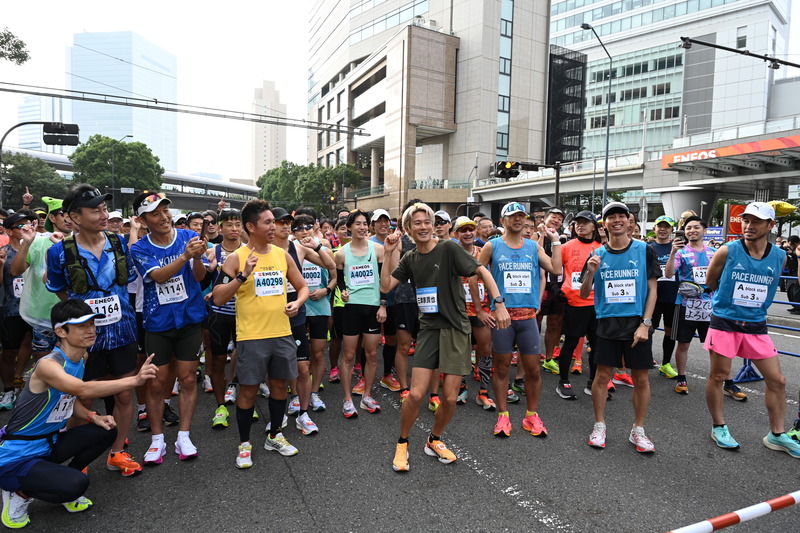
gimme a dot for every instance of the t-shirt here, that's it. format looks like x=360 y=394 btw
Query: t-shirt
x=574 y=254
x=36 y=301
x=692 y=265
x=118 y=328
x=482 y=293
x=178 y=302
x=436 y=276
x=667 y=287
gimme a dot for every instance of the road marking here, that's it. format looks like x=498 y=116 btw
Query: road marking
x=745 y=389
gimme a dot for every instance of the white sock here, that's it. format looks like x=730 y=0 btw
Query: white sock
x=141 y=407
x=157 y=439
x=183 y=434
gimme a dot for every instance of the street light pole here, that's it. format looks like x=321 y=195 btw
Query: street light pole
x=587 y=26
x=594 y=175
x=114 y=174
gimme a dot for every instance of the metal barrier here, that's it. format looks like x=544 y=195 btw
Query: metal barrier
x=742 y=515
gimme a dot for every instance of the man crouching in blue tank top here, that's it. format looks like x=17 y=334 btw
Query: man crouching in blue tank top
x=33 y=445
x=624 y=273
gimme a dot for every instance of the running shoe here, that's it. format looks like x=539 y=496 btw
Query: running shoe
x=263 y=390
x=621 y=378
x=723 y=438
x=284 y=423
x=255 y=413
x=230 y=394
x=519 y=386
x=170 y=417
x=472 y=357
x=349 y=410
x=413 y=348
x=795 y=431
x=577 y=367
x=439 y=450
x=503 y=426
x=306 y=425
x=7 y=400
x=463 y=394
x=734 y=392
x=564 y=389
x=207 y=386
x=358 y=390
x=434 y=403
x=484 y=401
x=403 y=395
x=369 y=403
x=76 y=506
x=245 y=459
x=611 y=387
x=551 y=365
x=535 y=425
x=597 y=439
x=681 y=387
x=640 y=440
x=123 y=463
x=142 y=422
x=515 y=357
x=357 y=370
x=185 y=449
x=389 y=382
x=294 y=406
x=511 y=396
x=782 y=443
x=155 y=454
x=280 y=444
x=334 y=376
x=203 y=358
x=176 y=388
x=400 y=461
x=317 y=405
x=667 y=371
x=15 y=510
x=220 y=420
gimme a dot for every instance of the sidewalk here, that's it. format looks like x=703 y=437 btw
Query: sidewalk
x=779 y=314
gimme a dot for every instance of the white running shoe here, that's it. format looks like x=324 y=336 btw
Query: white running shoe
x=294 y=406
x=155 y=454
x=7 y=400
x=306 y=425
x=245 y=459
x=176 y=388
x=283 y=424
x=598 y=437
x=15 y=510
x=369 y=403
x=280 y=444
x=263 y=389
x=185 y=449
x=643 y=444
x=317 y=404
x=348 y=409
x=230 y=395
x=207 y=384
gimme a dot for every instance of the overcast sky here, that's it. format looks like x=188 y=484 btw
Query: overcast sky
x=224 y=51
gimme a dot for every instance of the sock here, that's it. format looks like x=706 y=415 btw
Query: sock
x=433 y=437
x=483 y=392
x=244 y=419
x=681 y=377
x=530 y=413
x=719 y=425
x=667 y=347
x=114 y=453
x=502 y=413
x=402 y=440
x=276 y=410
x=434 y=395
x=183 y=434
x=157 y=439
x=777 y=434
x=729 y=382
x=388 y=358
x=302 y=412
x=141 y=407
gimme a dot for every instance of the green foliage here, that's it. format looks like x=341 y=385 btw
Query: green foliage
x=579 y=202
x=41 y=179
x=12 y=48
x=135 y=165
x=291 y=186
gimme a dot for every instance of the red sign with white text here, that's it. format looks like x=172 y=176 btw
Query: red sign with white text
x=735 y=219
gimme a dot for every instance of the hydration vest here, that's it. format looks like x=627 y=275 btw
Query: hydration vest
x=81 y=278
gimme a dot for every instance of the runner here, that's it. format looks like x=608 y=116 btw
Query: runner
x=624 y=273
x=381 y=223
x=95 y=266
x=34 y=444
x=435 y=269
x=257 y=274
x=667 y=293
x=515 y=263
x=172 y=264
x=744 y=276
x=551 y=306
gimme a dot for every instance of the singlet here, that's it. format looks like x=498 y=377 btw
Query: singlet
x=39 y=414
x=482 y=294
x=574 y=254
x=260 y=301
x=291 y=293
x=667 y=287
x=13 y=285
x=316 y=278
x=747 y=285
x=620 y=283
x=516 y=272
x=229 y=308
x=361 y=276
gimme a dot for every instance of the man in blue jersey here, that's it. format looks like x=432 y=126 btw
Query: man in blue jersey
x=624 y=273
x=745 y=275
x=667 y=291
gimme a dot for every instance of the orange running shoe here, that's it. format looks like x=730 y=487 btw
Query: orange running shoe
x=124 y=463
x=503 y=426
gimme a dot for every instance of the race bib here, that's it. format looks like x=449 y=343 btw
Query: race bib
x=469 y=296
x=698 y=310
x=268 y=282
x=749 y=294
x=621 y=291
x=109 y=306
x=172 y=291
x=664 y=274
x=428 y=300
x=361 y=275
x=19 y=283
x=699 y=274
x=517 y=281
x=313 y=275
x=576 y=281
x=62 y=410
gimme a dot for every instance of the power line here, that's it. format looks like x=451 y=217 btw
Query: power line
x=125 y=61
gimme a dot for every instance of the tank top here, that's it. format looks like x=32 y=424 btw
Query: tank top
x=574 y=254
x=361 y=276
x=620 y=283
x=482 y=294
x=260 y=301
x=516 y=272
x=229 y=308
x=316 y=278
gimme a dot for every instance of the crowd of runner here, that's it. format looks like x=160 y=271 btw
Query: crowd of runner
x=248 y=302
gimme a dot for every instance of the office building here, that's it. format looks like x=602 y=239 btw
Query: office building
x=269 y=140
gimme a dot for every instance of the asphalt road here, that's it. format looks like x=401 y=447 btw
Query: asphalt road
x=342 y=478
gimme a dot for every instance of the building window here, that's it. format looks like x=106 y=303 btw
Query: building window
x=672 y=112
x=503 y=103
x=597 y=99
x=502 y=141
x=505 y=28
x=339 y=102
x=600 y=122
x=602 y=75
x=339 y=130
x=636 y=68
x=321 y=140
x=505 y=66
x=661 y=88
x=633 y=94
x=655 y=114
x=741 y=37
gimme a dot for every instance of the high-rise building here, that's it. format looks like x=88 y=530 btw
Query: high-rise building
x=125 y=64
x=269 y=140
x=41 y=109
x=441 y=89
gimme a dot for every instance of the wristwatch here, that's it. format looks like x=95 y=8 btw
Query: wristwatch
x=384 y=303
x=242 y=278
x=647 y=322
x=499 y=300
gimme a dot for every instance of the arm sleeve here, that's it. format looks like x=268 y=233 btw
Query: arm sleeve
x=340 y=283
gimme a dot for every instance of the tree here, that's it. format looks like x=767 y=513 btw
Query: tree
x=135 y=165
x=25 y=171
x=580 y=202
x=292 y=186
x=12 y=48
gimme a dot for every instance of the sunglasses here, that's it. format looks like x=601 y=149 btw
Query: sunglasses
x=466 y=229
x=155 y=197
x=210 y=221
x=283 y=222
x=440 y=223
x=304 y=227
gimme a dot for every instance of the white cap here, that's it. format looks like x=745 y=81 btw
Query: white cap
x=443 y=215
x=512 y=208
x=115 y=214
x=378 y=213
x=761 y=210
x=152 y=201
x=78 y=320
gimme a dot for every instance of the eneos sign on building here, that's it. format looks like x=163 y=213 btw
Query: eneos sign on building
x=779 y=143
x=735 y=219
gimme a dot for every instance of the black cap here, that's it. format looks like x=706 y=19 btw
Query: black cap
x=14 y=219
x=588 y=215
x=281 y=214
x=90 y=198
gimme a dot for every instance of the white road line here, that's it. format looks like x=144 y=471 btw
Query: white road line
x=748 y=390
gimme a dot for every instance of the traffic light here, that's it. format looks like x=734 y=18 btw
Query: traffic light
x=507 y=169
x=6 y=193
x=61 y=134
x=332 y=199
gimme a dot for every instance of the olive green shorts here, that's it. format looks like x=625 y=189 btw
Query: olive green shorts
x=446 y=349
